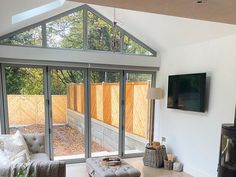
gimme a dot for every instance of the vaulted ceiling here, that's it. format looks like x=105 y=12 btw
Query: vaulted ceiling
x=210 y=10
x=160 y=32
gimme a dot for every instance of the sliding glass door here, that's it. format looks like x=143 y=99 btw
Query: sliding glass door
x=68 y=115
x=137 y=111
x=25 y=99
x=105 y=112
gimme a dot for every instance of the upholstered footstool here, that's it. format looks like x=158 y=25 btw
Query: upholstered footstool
x=96 y=168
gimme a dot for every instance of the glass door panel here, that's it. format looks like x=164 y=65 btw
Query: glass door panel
x=25 y=99
x=67 y=95
x=137 y=113
x=105 y=101
x=1 y=103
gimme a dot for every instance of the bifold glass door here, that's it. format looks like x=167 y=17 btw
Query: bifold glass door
x=105 y=112
x=82 y=112
x=67 y=116
x=1 y=104
x=25 y=99
x=137 y=111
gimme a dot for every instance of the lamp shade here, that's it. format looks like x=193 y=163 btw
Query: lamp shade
x=154 y=93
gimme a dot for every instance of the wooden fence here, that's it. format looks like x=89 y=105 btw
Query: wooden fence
x=29 y=109
x=105 y=104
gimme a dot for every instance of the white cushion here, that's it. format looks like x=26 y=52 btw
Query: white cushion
x=1 y=144
x=40 y=157
x=3 y=159
x=15 y=145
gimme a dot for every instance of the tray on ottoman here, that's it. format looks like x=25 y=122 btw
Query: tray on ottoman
x=96 y=168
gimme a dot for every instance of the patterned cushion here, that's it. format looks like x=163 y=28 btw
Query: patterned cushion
x=20 y=158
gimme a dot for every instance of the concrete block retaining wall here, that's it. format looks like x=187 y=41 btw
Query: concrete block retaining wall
x=104 y=134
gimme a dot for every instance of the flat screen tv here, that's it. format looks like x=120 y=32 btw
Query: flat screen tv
x=187 y=92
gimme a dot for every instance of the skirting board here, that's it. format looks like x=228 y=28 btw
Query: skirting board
x=195 y=173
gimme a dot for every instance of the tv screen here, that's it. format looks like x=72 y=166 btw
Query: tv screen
x=187 y=92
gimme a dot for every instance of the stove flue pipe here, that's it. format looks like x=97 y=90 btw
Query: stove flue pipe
x=235 y=117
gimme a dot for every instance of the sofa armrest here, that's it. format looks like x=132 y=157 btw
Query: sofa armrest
x=51 y=168
x=35 y=142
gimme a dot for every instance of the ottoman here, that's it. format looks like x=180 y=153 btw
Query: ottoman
x=95 y=168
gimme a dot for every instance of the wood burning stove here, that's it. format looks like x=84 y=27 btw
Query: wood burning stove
x=227 y=159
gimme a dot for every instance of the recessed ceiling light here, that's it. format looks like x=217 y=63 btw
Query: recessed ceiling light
x=201 y=1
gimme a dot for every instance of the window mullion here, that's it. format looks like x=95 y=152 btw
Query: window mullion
x=44 y=35
x=85 y=28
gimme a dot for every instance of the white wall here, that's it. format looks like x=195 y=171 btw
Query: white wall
x=194 y=137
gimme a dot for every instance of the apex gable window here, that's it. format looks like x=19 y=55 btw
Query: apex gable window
x=30 y=37
x=81 y=28
x=66 y=32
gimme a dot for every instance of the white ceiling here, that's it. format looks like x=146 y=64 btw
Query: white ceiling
x=8 y=8
x=160 y=32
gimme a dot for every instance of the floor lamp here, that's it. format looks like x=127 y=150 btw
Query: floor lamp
x=152 y=95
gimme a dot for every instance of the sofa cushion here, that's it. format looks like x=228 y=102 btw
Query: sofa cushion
x=35 y=142
x=14 y=145
x=3 y=159
x=40 y=157
x=1 y=144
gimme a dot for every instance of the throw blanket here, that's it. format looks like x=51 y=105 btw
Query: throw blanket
x=35 y=169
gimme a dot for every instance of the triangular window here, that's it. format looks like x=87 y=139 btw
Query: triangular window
x=132 y=47
x=66 y=32
x=102 y=35
x=31 y=37
x=71 y=30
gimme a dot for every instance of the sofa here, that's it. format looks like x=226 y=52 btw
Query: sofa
x=38 y=163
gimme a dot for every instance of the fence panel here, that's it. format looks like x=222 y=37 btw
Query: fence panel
x=129 y=104
x=29 y=109
x=105 y=105
x=140 y=110
x=115 y=104
x=59 y=108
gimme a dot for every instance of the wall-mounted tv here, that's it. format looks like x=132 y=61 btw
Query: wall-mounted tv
x=187 y=92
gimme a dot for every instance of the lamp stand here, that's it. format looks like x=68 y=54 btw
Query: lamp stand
x=151 y=129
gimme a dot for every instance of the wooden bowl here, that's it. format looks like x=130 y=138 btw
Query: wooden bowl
x=111 y=161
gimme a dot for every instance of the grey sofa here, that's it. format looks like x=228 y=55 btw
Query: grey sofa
x=39 y=160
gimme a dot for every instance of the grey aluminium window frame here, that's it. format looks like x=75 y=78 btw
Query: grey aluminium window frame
x=4 y=91
x=46 y=66
x=153 y=84
x=120 y=128
x=2 y=120
x=86 y=115
x=85 y=9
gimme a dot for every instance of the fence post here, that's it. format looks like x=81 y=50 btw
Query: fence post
x=93 y=101
x=75 y=98
x=68 y=96
x=148 y=112
x=82 y=98
x=107 y=103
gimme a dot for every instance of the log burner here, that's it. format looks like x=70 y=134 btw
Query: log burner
x=227 y=159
